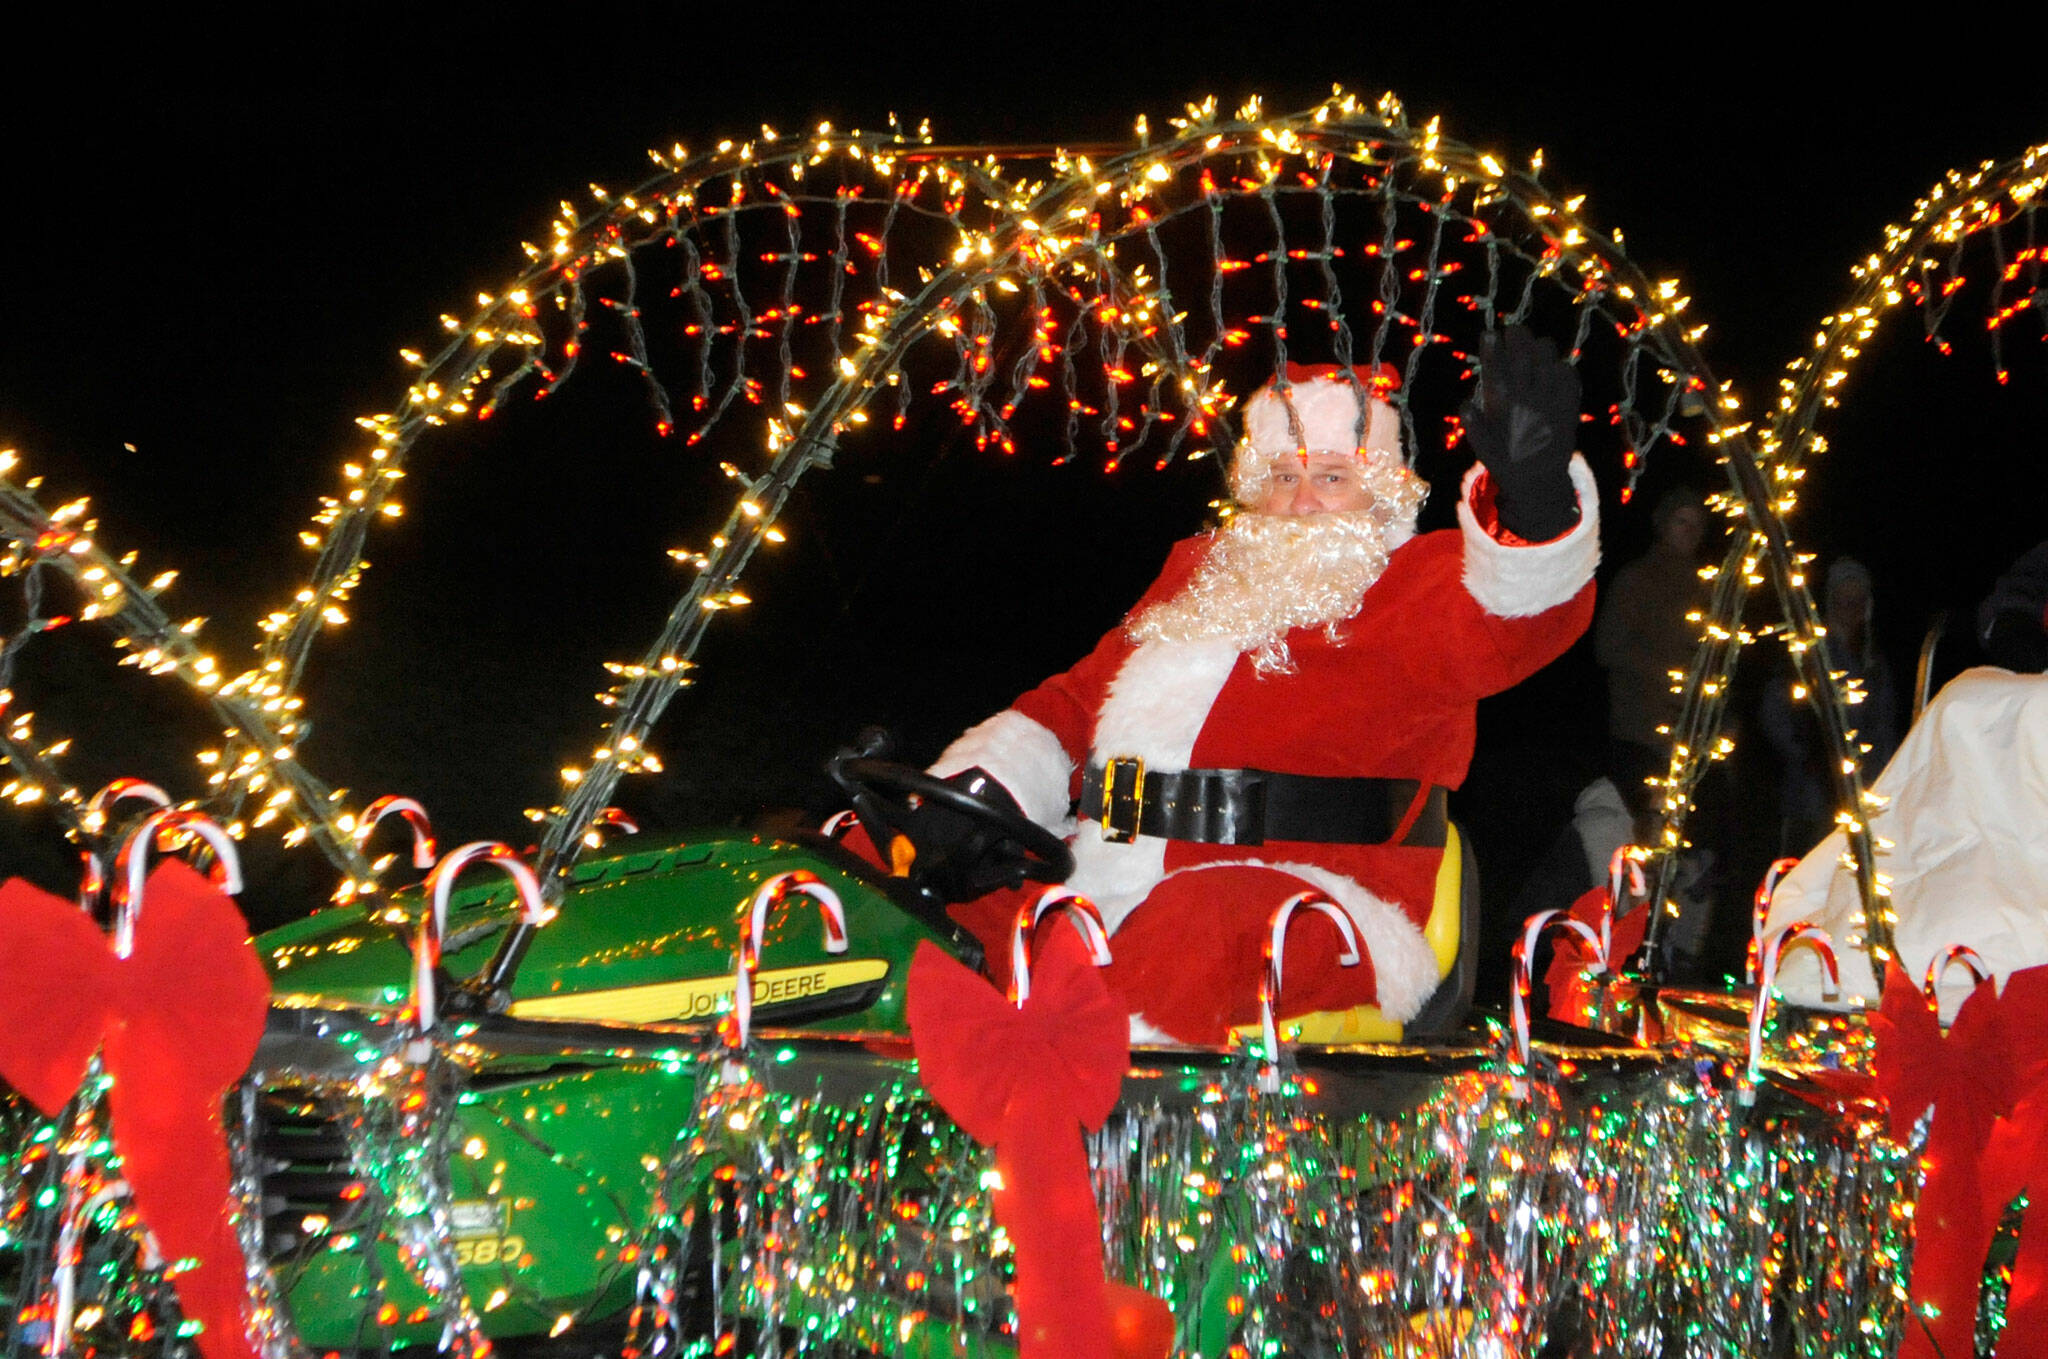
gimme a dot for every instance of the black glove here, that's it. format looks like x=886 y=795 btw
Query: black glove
x=1523 y=425
x=961 y=856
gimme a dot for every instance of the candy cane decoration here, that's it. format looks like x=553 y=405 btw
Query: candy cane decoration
x=426 y=948
x=94 y=880
x=1622 y=865
x=1525 y=949
x=1760 y=914
x=593 y=834
x=837 y=824
x=415 y=817
x=1269 y=985
x=1799 y=932
x=131 y=864
x=775 y=892
x=122 y=789
x=66 y=1303
x=1949 y=957
x=616 y=817
x=1078 y=909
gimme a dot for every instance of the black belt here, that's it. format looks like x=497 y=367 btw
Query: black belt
x=1252 y=806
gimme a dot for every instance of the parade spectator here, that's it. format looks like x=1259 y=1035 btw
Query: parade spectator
x=1806 y=787
x=1642 y=637
x=2010 y=622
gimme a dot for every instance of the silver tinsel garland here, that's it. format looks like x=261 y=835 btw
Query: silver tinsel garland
x=1613 y=1204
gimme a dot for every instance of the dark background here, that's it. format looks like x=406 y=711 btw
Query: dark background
x=221 y=233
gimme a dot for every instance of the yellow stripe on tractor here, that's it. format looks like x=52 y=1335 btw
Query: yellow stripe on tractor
x=700 y=998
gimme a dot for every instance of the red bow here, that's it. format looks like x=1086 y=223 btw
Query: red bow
x=176 y=1023
x=1027 y=1081
x=1988 y=1084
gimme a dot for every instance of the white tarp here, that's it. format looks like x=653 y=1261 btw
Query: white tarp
x=1967 y=818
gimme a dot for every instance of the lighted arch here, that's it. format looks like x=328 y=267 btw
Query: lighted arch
x=988 y=243
x=1065 y=250
x=1921 y=263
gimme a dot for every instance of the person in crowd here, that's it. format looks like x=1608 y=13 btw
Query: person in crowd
x=1643 y=636
x=2010 y=621
x=1806 y=787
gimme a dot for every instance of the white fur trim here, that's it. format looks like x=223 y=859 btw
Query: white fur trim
x=1142 y=1032
x=1515 y=582
x=1160 y=699
x=1116 y=877
x=1022 y=755
x=1156 y=708
x=1328 y=410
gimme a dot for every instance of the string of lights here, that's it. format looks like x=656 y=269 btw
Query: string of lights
x=259 y=720
x=753 y=292
x=1923 y=264
x=1130 y=293
x=1096 y=239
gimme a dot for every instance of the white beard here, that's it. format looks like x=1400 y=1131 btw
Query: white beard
x=1267 y=575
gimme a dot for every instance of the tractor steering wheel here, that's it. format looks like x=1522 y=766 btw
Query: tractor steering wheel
x=1003 y=846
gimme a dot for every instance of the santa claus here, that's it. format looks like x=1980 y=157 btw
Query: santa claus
x=1288 y=704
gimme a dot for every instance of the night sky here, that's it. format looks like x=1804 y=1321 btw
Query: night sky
x=220 y=239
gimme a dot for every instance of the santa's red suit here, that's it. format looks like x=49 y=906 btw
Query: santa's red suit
x=1390 y=692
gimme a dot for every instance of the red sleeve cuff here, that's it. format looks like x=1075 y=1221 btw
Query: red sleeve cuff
x=1487 y=515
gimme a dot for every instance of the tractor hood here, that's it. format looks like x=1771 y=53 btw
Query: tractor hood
x=642 y=937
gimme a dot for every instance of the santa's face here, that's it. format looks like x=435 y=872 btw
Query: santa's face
x=1318 y=483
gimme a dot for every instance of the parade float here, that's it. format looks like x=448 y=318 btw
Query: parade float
x=743 y=1093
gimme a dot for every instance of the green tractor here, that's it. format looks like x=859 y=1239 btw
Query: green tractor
x=578 y=1035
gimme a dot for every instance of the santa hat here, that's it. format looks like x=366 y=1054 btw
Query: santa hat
x=1322 y=400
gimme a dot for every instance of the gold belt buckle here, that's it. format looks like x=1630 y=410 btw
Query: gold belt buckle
x=1115 y=829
